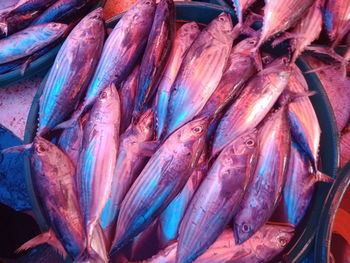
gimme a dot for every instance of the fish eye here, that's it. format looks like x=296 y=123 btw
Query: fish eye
x=250 y=142
x=103 y=95
x=252 y=42
x=245 y=228
x=197 y=129
x=282 y=241
x=222 y=19
x=148 y=2
x=39 y=148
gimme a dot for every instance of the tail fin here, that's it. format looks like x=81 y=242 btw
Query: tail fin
x=48 y=237
x=321 y=177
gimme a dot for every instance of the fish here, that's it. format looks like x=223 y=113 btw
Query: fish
x=263 y=246
x=241 y=7
x=344 y=148
x=337 y=89
x=127 y=94
x=121 y=51
x=336 y=15
x=183 y=41
x=239 y=69
x=217 y=199
x=268 y=175
x=60 y=10
x=71 y=72
x=304 y=124
x=31 y=5
x=130 y=162
x=255 y=101
x=53 y=180
x=169 y=221
x=299 y=188
x=159 y=45
x=4 y=4
x=200 y=72
x=97 y=159
x=280 y=16
x=308 y=28
x=163 y=177
x=29 y=40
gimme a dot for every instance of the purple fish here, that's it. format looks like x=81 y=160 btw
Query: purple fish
x=130 y=162
x=184 y=39
x=165 y=174
x=255 y=101
x=200 y=72
x=97 y=159
x=241 y=6
x=217 y=199
x=159 y=45
x=268 y=175
x=337 y=14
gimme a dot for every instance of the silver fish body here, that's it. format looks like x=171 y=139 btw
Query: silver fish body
x=98 y=157
x=160 y=181
x=240 y=67
x=72 y=70
x=29 y=40
x=127 y=94
x=169 y=221
x=303 y=120
x=268 y=176
x=336 y=15
x=217 y=199
x=129 y=164
x=122 y=49
x=60 y=10
x=184 y=39
x=264 y=245
x=308 y=28
x=31 y=5
x=4 y=4
x=200 y=72
x=255 y=101
x=54 y=183
x=281 y=15
x=159 y=45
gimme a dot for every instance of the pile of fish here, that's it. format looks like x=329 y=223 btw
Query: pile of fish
x=31 y=28
x=177 y=146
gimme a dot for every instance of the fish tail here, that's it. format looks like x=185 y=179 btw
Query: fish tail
x=71 y=122
x=322 y=177
x=18 y=149
x=48 y=237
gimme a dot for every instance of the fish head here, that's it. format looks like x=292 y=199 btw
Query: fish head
x=272 y=239
x=41 y=147
x=221 y=28
x=146 y=122
x=243 y=228
x=244 y=144
x=56 y=27
x=188 y=31
x=246 y=46
x=145 y=5
x=106 y=108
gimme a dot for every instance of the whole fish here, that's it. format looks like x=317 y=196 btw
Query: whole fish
x=268 y=176
x=200 y=72
x=130 y=161
x=299 y=188
x=240 y=67
x=60 y=10
x=255 y=101
x=308 y=28
x=337 y=89
x=97 y=159
x=281 y=15
x=71 y=72
x=122 y=49
x=29 y=40
x=159 y=45
x=344 y=148
x=163 y=177
x=184 y=39
x=127 y=94
x=217 y=199
x=302 y=117
x=241 y=7
x=263 y=246
x=53 y=180
x=336 y=15
x=20 y=15
x=169 y=221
